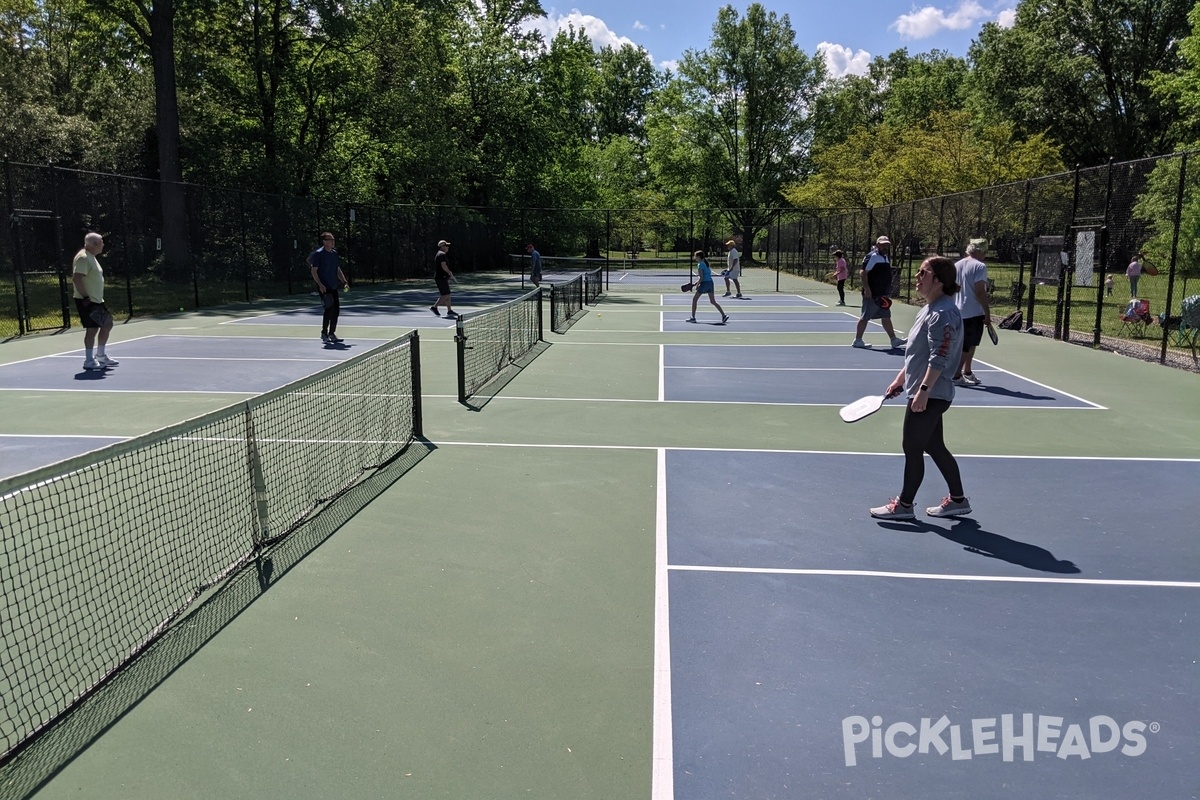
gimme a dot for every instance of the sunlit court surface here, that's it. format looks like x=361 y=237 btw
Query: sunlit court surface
x=638 y=565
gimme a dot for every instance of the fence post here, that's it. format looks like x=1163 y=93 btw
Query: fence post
x=1162 y=355
x=1103 y=257
x=245 y=260
x=125 y=244
x=941 y=220
x=1062 y=268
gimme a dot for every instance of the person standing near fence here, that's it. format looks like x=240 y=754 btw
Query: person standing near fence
x=87 y=278
x=325 y=265
x=974 y=306
x=733 y=268
x=1134 y=273
x=840 y=273
x=933 y=351
x=535 y=264
x=442 y=275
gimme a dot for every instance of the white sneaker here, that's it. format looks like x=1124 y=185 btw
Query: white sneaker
x=950 y=508
x=898 y=343
x=893 y=510
x=970 y=378
x=859 y=343
x=960 y=381
x=105 y=361
x=90 y=364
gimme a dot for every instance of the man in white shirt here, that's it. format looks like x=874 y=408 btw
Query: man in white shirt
x=974 y=306
x=733 y=268
x=87 y=280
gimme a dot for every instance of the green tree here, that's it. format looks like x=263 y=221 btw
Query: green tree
x=735 y=123
x=1078 y=71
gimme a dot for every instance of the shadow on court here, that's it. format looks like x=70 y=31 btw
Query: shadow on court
x=975 y=539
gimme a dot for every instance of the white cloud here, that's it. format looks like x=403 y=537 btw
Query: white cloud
x=840 y=60
x=922 y=23
x=670 y=64
x=596 y=28
x=638 y=26
x=1006 y=18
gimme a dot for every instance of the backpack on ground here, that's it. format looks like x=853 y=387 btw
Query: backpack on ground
x=1013 y=321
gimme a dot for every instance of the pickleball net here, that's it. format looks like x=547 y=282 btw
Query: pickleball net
x=104 y=552
x=491 y=340
x=566 y=300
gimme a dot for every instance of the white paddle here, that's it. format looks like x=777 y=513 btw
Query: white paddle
x=863 y=407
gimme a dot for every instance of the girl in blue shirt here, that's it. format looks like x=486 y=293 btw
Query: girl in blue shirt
x=704 y=283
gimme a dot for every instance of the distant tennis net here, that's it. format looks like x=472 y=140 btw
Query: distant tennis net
x=566 y=301
x=105 y=551
x=618 y=273
x=490 y=341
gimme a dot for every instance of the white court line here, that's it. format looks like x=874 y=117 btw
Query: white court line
x=892 y=369
x=127 y=357
x=1047 y=387
x=59 y=436
x=94 y=390
x=662 y=780
x=957 y=409
x=662 y=374
x=927 y=576
x=897 y=454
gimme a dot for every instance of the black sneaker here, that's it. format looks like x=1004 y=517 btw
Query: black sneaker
x=724 y=318
x=335 y=339
x=436 y=313
x=451 y=315
x=325 y=338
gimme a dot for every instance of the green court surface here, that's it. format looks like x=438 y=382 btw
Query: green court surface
x=485 y=626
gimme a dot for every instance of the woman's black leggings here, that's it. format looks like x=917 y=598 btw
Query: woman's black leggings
x=842 y=291
x=923 y=434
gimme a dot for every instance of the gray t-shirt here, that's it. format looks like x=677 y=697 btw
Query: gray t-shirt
x=936 y=338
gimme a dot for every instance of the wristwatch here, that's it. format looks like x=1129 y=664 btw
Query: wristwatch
x=924 y=387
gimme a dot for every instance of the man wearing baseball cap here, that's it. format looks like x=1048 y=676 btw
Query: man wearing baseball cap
x=876 y=286
x=442 y=277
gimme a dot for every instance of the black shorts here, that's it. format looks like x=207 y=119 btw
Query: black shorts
x=972 y=332
x=93 y=315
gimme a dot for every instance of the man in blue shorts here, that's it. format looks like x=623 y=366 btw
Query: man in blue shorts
x=876 y=288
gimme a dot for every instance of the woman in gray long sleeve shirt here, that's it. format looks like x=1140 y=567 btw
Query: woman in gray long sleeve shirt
x=933 y=352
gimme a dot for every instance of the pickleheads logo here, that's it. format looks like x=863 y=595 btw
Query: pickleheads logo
x=1031 y=734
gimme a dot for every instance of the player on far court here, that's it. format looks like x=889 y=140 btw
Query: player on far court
x=933 y=353
x=733 y=268
x=442 y=277
x=325 y=265
x=704 y=283
x=876 y=286
x=87 y=279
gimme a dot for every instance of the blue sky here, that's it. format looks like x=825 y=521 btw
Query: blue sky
x=849 y=32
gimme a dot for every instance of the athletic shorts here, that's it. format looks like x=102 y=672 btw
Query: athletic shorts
x=443 y=283
x=872 y=310
x=704 y=287
x=733 y=274
x=93 y=315
x=972 y=332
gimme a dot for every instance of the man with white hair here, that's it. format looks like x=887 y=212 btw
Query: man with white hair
x=87 y=278
x=974 y=306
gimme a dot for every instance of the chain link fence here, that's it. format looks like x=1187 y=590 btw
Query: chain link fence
x=1059 y=248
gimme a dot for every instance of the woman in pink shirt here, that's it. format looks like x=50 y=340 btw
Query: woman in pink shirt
x=841 y=273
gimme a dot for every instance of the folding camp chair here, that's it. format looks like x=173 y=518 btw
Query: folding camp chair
x=1135 y=318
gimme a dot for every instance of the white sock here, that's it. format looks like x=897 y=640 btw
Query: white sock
x=88 y=352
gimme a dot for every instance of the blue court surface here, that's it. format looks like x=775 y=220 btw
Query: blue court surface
x=745 y=321
x=827 y=375
x=731 y=304
x=23 y=453
x=816 y=652
x=404 y=309
x=236 y=364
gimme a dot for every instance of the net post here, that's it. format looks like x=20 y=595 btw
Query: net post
x=460 y=338
x=540 y=323
x=418 y=419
